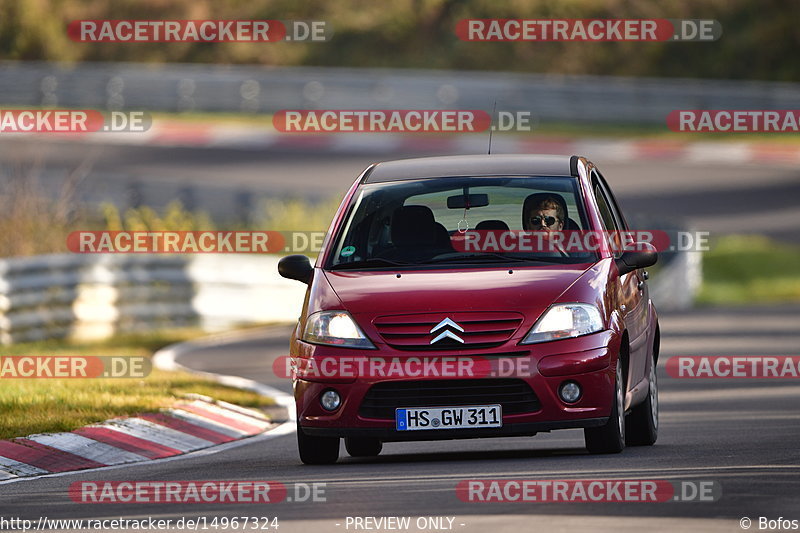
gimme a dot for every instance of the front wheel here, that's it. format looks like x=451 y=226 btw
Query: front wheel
x=317 y=450
x=642 y=423
x=610 y=438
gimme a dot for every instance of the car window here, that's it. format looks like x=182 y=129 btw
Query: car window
x=505 y=204
x=419 y=221
x=605 y=209
x=612 y=200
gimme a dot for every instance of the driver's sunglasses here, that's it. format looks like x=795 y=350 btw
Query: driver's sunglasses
x=548 y=221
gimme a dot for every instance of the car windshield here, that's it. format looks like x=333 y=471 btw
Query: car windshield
x=458 y=221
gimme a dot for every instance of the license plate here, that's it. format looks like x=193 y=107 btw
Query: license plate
x=472 y=416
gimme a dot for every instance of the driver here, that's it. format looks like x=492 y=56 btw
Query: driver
x=546 y=213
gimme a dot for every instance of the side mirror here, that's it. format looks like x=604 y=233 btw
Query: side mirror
x=296 y=267
x=643 y=255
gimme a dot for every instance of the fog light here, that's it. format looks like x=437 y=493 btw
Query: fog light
x=570 y=392
x=330 y=400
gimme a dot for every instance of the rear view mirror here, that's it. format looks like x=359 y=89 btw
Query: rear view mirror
x=463 y=201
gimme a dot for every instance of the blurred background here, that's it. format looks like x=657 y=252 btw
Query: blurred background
x=212 y=160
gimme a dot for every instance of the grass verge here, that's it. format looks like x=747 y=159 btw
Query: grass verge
x=750 y=269
x=30 y=406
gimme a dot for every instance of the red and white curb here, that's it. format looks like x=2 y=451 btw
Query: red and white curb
x=198 y=423
x=243 y=137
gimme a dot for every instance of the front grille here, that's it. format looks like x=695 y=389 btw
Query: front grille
x=514 y=395
x=481 y=330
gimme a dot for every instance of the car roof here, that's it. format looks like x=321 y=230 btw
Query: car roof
x=473 y=165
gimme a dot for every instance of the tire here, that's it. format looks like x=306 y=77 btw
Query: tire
x=363 y=447
x=641 y=426
x=317 y=450
x=610 y=438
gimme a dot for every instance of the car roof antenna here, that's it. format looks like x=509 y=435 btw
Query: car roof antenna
x=491 y=126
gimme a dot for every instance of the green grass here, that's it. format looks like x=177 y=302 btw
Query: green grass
x=30 y=406
x=744 y=269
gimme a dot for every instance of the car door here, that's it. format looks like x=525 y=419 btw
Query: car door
x=631 y=288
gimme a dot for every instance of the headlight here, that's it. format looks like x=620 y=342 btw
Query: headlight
x=336 y=328
x=563 y=321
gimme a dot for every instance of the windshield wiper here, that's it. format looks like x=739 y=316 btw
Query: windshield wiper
x=371 y=262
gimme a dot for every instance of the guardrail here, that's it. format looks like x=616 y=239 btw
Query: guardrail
x=254 y=89
x=91 y=297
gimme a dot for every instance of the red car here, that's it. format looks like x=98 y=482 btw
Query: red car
x=418 y=325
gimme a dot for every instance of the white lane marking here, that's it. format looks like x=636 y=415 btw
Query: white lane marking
x=770 y=389
x=87 y=448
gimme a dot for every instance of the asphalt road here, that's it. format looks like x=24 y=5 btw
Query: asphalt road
x=741 y=434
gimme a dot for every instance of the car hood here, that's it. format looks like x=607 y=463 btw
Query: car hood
x=529 y=290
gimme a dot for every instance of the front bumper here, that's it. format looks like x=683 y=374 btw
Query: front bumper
x=586 y=360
